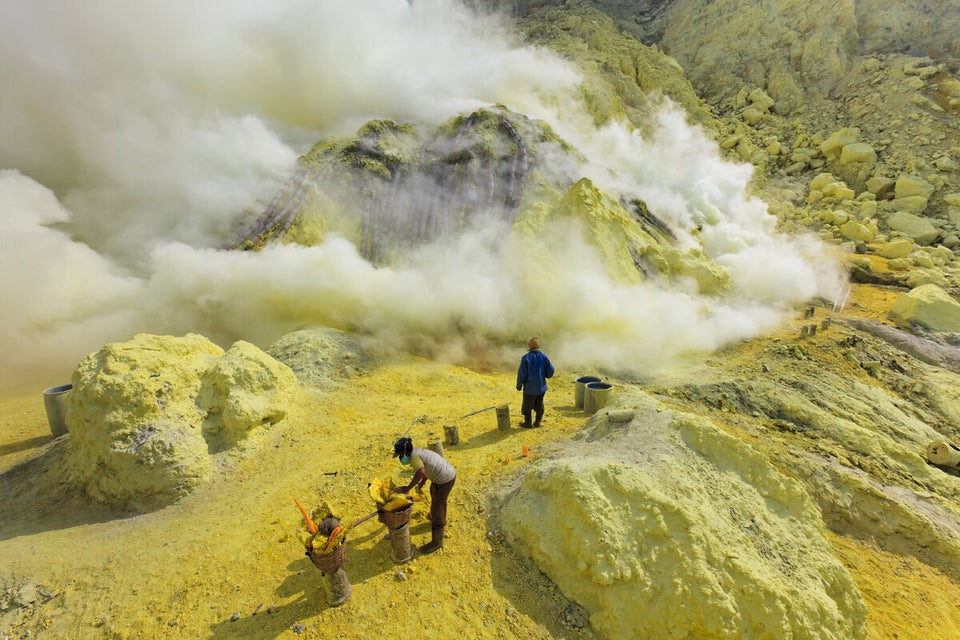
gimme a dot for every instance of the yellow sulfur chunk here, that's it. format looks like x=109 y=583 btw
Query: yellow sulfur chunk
x=335 y=539
x=381 y=490
x=397 y=502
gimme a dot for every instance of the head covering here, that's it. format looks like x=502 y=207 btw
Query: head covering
x=402 y=448
x=533 y=344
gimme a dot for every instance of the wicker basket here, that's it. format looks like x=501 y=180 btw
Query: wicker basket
x=330 y=562
x=398 y=518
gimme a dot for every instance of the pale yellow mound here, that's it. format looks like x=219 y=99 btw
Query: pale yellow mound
x=145 y=415
x=673 y=529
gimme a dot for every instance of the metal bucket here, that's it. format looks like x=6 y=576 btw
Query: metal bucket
x=55 y=404
x=579 y=389
x=595 y=396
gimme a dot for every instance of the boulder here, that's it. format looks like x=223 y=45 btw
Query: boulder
x=922 y=67
x=832 y=147
x=144 y=415
x=836 y=217
x=908 y=186
x=856 y=164
x=670 y=528
x=946 y=164
x=135 y=429
x=928 y=306
x=882 y=187
x=941 y=255
x=838 y=190
x=803 y=154
x=900 y=248
x=917 y=228
x=760 y=100
x=950 y=86
x=752 y=115
x=868 y=208
x=918 y=277
x=909 y=204
x=857 y=153
x=821 y=180
x=856 y=231
x=245 y=388
x=922 y=260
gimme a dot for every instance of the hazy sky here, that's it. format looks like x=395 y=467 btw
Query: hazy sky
x=134 y=132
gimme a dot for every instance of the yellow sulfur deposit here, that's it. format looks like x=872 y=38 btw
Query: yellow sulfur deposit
x=328 y=543
x=334 y=540
x=329 y=534
x=328 y=529
x=385 y=494
x=380 y=490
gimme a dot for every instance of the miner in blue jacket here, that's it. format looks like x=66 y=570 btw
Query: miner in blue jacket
x=535 y=368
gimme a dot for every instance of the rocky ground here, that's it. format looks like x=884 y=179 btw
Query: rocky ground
x=226 y=561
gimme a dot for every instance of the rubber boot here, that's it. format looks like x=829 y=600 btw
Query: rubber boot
x=436 y=541
x=526 y=421
x=536 y=423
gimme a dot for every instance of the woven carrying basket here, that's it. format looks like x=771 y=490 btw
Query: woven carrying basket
x=398 y=518
x=330 y=562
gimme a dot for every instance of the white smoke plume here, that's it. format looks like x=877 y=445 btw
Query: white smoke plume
x=135 y=132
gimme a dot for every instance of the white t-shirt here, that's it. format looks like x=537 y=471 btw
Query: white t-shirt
x=438 y=470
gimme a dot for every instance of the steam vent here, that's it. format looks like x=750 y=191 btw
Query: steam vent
x=278 y=239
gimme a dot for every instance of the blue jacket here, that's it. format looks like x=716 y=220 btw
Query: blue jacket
x=535 y=368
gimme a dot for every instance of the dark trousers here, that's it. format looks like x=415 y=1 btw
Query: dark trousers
x=532 y=404
x=438 y=503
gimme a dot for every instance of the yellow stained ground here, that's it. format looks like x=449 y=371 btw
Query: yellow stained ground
x=233 y=546
x=226 y=561
x=870 y=302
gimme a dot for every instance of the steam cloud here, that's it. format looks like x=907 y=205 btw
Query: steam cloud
x=135 y=132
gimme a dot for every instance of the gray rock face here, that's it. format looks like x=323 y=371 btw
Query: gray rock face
x=789 y=47
x=393 y=187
